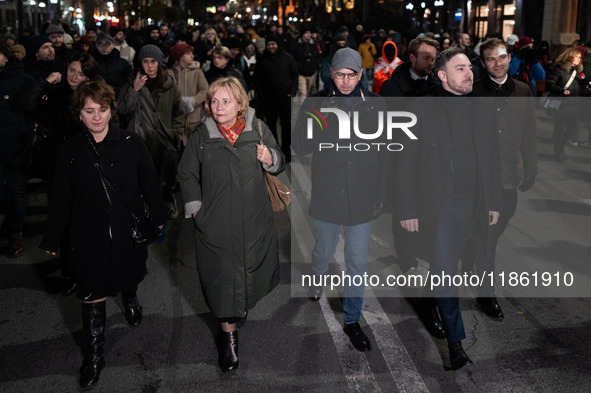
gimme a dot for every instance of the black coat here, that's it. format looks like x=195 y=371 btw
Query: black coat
x=423 y=166
x=63 y=53
x=215 y=73
x=114 y=70
x=42 y=69
x=276 y=75
x=346 y=185
x=103 y=254
x=15 y=126
x=400 y=84
x=306 y=57
x=516 y=118
x=555 y=82
x=49 y=105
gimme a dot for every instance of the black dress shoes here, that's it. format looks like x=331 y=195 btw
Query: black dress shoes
x=457 y=356
x=490 y=306
x=358 y=339
x=433 y=322
x=227 y=344
x=561 y=158
x=315 y=293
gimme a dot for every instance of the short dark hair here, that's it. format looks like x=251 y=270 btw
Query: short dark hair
x=445 y=56
x=491 y=44
x=415 y=44
x=89 y=66
x=98 y=91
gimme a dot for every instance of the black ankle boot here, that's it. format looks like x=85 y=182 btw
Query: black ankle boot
x=133 y=310
x=227 y=344
x=93 y=325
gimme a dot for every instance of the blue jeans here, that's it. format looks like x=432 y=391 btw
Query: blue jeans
x=356 y=247
x=12 y=195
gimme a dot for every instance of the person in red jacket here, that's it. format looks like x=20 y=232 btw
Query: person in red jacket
x=385 y=65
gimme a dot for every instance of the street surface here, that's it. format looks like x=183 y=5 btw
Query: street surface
x=290 y=344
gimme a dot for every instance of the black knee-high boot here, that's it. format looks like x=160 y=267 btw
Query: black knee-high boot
x=133 y=310
x=93 y=325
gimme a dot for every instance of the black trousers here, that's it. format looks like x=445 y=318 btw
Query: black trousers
x=474 y=252
x=280 y=107
x=566 y=124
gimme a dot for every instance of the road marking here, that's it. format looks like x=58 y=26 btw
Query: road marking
x=356 y=368
x=587 y=201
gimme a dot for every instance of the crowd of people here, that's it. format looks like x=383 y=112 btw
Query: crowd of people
x=116 y=121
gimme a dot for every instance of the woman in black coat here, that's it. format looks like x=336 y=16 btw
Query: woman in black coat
x=222 y=67
x=566 y=118
x=47 y=102
x=106 y=260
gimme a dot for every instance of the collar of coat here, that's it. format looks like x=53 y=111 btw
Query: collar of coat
x=212 y=126
x=490 y=85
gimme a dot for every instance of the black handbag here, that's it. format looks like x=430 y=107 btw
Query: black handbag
x=144 y=229
x=32 y=159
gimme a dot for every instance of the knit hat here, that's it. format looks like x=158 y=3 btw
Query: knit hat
x=273 y=38
x=339 y=37
x=4 y=49
x=365 y=37
x=18 y=48
x=36 y=42
x=11 y=36
x=260 y=44
x=343 y=29
x=346 y=58
x=151 y=51
x=179 y=51
x=523 y=41
x=152 y=28
x=84 y=40
x=68 y=39
x=512 y=40
x=104 y=37
x=54 y=29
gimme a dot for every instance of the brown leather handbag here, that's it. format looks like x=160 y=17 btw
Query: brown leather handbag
x=279 y=194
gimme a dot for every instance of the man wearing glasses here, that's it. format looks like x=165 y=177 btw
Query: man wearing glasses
x=348 y=183
x=114 y=70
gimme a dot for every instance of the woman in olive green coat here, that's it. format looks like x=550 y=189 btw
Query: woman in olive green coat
x=224 y=191
x=152 y=103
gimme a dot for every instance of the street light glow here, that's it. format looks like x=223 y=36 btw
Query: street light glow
x=423 y=5
x=248 y=9
x=41 y=5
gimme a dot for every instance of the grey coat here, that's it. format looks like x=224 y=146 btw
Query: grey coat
x=236 y=240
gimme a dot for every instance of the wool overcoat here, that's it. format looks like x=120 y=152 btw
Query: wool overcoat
x=105 y=260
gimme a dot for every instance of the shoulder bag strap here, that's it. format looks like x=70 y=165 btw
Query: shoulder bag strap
x=570 y=81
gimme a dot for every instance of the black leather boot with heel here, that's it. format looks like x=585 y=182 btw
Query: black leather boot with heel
x=133 y=310
x=93 y=325
x=227 y=344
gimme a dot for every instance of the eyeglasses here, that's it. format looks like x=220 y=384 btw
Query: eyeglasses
x=340 y=76
x=103 y=43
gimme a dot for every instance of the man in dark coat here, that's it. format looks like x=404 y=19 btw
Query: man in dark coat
x=413 y=78
x=285 y=37
x=114 y=70
x=14 y=129
x=348 y=185
x=56 y=34
x=448 y=182
x=276 y=81
x=517 y=133
x=305 y=53
x=42 y=60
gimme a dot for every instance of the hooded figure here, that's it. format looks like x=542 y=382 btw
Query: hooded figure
x=385 y=65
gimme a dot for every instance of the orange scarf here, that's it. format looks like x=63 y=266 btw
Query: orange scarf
x=232 y=133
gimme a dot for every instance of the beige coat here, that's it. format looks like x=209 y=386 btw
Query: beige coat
x=192 y=83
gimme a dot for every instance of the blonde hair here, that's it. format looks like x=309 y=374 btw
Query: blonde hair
x=224 y=51
x=216 y=39
x=232 y=86
x=565 y=59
